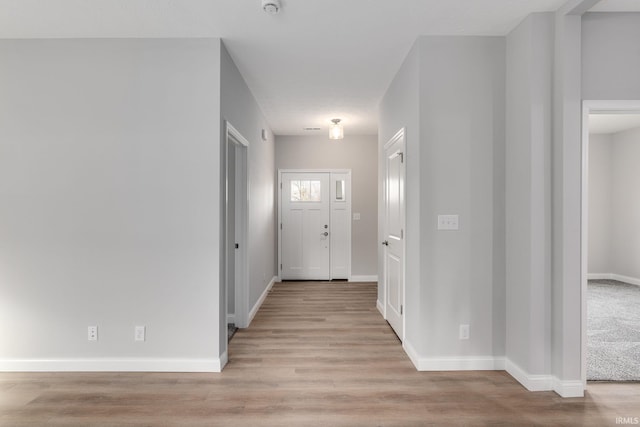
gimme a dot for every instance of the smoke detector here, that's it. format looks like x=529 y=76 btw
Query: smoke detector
x=272 y=7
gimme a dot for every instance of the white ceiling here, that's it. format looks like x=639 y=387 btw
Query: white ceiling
x=316 y=60
x=612 y=123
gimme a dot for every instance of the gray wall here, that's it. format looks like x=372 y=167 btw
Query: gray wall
x=625 y=230
x=596 y=59
x=566 y=203
x=595 y=56
x=611 y=63
x=528 y=252
x=600 y=204
x=610 y=56
x=462 y=107
x=239 y=107
x=614 y=208
x=455 y=165
x=400 y=108
x=109 y=199
x=355 y=152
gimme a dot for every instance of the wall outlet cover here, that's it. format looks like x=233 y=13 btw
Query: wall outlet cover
x=140 y=332
x=92 y=333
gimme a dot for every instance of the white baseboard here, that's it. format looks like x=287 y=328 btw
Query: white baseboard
x=224 y=359
x=599 y=276
x=626 y=279
x=113 y=365
x=530 y=382
x=573 y=388
x=362 y=278
x=231 y=318
x=380 y=307
x=412 y=353
x=490 y=363
x=263 y=297
x=613 y=276
x=462 y=363
x=456 y=363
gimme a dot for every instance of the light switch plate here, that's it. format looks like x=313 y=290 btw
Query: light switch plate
x=448 y=222
x=464 y=332
x=356 y=216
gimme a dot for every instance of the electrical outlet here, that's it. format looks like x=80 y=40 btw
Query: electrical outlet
x=464 y=332
x=92 y=333
x=140 y=333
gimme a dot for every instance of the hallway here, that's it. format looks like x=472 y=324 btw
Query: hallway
x=317 y=354
x=320 y=353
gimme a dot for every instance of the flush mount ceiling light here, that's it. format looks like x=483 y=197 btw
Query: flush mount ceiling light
x=272 y=7
x=336 y=131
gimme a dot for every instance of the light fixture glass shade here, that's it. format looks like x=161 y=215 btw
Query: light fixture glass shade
x=336 y=131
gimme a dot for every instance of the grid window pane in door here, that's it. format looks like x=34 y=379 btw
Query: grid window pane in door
x=306 y=191
x=295 y=191
x=315 y=193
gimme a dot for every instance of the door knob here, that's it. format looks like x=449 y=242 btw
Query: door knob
x=386 y=243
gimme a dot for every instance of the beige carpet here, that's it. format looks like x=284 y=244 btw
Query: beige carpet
x=613 y=331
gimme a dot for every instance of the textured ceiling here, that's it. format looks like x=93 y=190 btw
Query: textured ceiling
x=316 y=60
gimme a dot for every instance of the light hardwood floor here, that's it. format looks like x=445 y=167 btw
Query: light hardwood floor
x=317 y=354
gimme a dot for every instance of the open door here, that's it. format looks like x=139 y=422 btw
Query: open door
x=394 y=233
x=236 y=223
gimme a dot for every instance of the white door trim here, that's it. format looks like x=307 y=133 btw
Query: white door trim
x=590 y=107
x=242 y=274
x=349 y=206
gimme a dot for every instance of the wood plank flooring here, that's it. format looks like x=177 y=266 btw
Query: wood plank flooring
x=317 y=354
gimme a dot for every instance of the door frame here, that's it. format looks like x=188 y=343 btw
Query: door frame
x=349 y=207
x=400 y=135
x=241 y=297
x=590 y=107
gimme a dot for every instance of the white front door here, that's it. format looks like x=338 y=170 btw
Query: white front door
x=305 y=233
x=394 y=233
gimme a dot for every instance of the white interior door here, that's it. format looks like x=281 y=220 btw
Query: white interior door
x=305 y=233
x=236 y=230
x=394 y=233
x=231 y=230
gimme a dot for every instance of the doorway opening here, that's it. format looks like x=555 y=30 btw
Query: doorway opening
x=236 y=230
x=610 y=248
x=314 y=224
